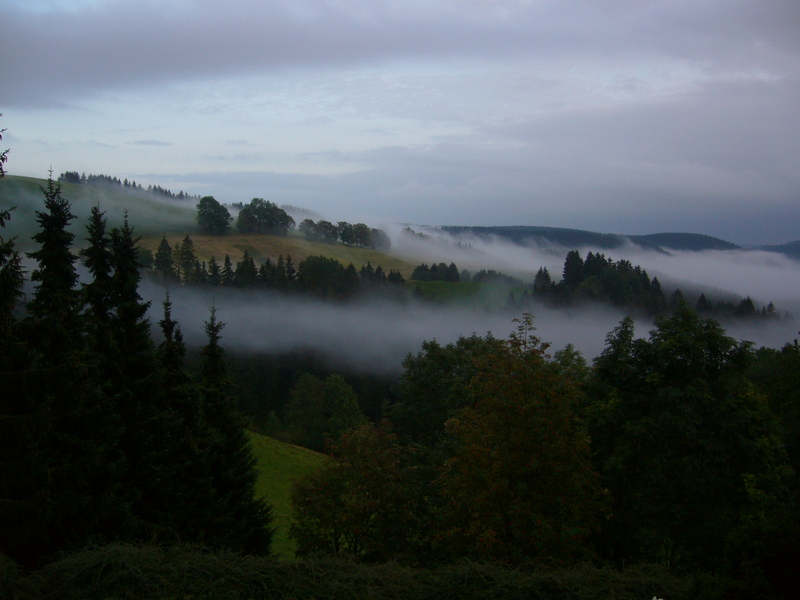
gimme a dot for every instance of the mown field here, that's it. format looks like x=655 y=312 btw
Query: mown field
x=153 y=218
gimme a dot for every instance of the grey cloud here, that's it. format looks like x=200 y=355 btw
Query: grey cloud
x=157 y=143
x=121 y=44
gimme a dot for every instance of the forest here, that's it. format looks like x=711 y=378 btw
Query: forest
x=490 y=467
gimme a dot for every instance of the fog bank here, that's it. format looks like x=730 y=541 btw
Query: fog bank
x=376 y=337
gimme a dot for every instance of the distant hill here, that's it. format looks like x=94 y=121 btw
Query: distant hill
x=524 y=234
x=149 y=214
x=791 y=249
x=578 y=238
x=683 y=241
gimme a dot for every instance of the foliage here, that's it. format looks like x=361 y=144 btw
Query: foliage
x=124 y=571
x=212 y=216
x=440 y=272
x=319 y=411
x=677 y=430
x=365 y=503
x=435 y=385
x=262 y=216
x=103 y=436
x=519 y=483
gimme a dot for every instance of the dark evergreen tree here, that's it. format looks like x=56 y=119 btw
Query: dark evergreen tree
x=164 y=264
x=214 y=273
x=573 y=270
x=246 y=275
x=240 y=521
x=59 y=472
x=186 y=260
x=227 y=272
x=97 y=258
x=54 y=309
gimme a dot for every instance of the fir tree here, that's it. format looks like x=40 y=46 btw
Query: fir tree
x=164 y=263
x=240 y=521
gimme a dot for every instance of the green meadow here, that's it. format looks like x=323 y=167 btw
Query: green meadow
x=279 y=465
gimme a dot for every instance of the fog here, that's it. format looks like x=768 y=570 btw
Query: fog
x=373 y=337
x=764 y=276
x=376 y=337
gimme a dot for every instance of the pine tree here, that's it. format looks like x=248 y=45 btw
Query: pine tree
x=214 y=273
x=60 y=479
x=54 y=308
x=186 y=259
x=227 y=272
x=164 y=263
x=239 y=521
x=97 y=258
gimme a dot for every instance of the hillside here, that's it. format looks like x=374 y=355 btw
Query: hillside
x=683 y=241
x=578 y=238
x=279 y=465
x=153 y=217
x=149 y=214
x=261 y=247
x=791 y=249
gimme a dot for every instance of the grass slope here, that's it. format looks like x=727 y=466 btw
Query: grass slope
x=279 y=466
x=261 y=247
x=152 y=217
x=148 y=214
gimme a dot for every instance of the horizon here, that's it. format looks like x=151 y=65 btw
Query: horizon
x=635 y=117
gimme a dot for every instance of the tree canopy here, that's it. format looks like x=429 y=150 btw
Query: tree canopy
x=212 y=216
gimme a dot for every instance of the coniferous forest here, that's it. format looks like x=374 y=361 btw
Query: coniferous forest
x=491 y=467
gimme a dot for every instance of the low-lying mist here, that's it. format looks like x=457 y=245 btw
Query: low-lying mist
x=764 y=276
x=375 y=337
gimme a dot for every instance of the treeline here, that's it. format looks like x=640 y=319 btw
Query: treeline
x=104 y=435
x=357 y=234
x=680 y=449
x=265 y=217
x=317 y=276
x=596 y=278
x=619 y=283
x=109 y=182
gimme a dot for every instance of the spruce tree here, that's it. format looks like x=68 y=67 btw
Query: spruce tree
x=164 y=263
x=63 y=431
x=239 y=521
x=54 y=309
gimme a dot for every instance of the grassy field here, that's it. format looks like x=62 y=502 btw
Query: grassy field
x=279 y=466
x=149 y=215
x=153 y=218
x=261 y=247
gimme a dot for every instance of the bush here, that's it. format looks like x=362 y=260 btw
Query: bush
x=122 y=572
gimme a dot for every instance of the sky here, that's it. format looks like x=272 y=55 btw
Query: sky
x=620 y=116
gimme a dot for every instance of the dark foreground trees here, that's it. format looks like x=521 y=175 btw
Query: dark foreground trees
x=689 y=450
x=664 y=452
x=506 y=475
x=102 y=436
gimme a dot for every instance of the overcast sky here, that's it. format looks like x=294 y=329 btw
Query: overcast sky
x=623 y=116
